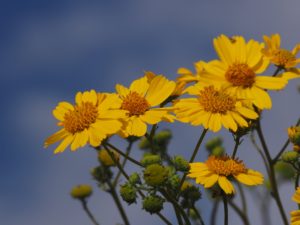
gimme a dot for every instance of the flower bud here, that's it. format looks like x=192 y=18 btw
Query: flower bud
x=150 y=159
x=81 y=191
x=128 y=193
x=294 y=134
x=174 y=181
x=218 y=151
x=100 y=174
x=105 y=159
x=285 y=170
x=162 y=137
x=134 y=179
x=144 y=143
x=153 y=203
x=214 y=142
x=155 y=175
x=290 y=156
x=181 y=164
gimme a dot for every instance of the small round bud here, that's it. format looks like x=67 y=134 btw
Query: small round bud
x=174 y=181
x=294 y=134
x=81 y=191
x=134 y=179
x=155 y=175
x=290 y=156
x=181 y=164
x=162 y=137
x=100 y=174
x=105 y=159
x=144 y=143
x=285 y=170
x=128 y=193
x=153 y=203
x=214 y=142
x=150 y=159
x=218 y=151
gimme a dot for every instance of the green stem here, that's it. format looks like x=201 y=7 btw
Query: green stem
x=237 y=143
x=197 y=147
x=162 y=217
x=178 y=216
x=272 y=173
x=243 y=199
x=198 y=215
x=214 y=211
x=113 y=193
x=225 y=201
x=123 y=154
x=241 y=214
x=128 y=149
x=277 y=70
x=88 y=212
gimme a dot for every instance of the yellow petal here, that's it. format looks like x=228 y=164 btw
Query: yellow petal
x=247 y=112
x=136 y=127
x=210 y=181
x=215 y=122
x=271 y=83
x=153 y=116
x=240 y=120
x=226 y=185
x=140 y=86
x=159 y=90
x=64 y=144
x=250 y=178
x=254 y=55
x=228 y=122
x=261 y=98
x=76 y=142
x=122 y=91
x=55 y=137
x=223 y=48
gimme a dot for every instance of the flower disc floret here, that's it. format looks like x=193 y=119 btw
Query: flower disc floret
x=240 y=74
x=135 y=104
x=225 y=165
x=215 y=101
x=80 y=118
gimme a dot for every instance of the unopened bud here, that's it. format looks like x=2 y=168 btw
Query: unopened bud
x=134 y=179
x=150 y=159
x=294 y=134
x=81 y=191
x=155 y=175
x=128 y=193
x=284 y=169
x=153 y=203
x=290 y=156
x=105 y=158
x=218 y=151
x=181 y=164
x=214 y=142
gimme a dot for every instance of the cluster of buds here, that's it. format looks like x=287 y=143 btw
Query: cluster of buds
x=215 y=146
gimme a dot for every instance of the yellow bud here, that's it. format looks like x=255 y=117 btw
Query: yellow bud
x=294 y=134
x=81 y=191
x=105 y=159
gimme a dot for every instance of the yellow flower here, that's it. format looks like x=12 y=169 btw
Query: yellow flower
x=237 y=69
x=295 y=217
x=213 y=107
x=280 y=57
x=222 y=169
x=90 y=120
x=139 y=101
x=296 y=196
x=187 y=76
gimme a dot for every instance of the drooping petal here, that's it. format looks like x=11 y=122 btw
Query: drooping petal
x=61 y=134
x=226 y=185
x=271 y=83
x=64 y=144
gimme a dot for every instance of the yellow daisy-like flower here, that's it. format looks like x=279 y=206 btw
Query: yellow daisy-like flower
x=220 y=170
x=187 y=76
x=139 y=101
x=295 y=217
x=213 y=108
x=237 y=69
x=280 y=57
x=90 y=120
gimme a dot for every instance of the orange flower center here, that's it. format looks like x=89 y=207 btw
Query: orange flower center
x=80 y=118
x=282 y=57
x=216 y=101
x=240 y=74
x=225 y=165
x=135 y=104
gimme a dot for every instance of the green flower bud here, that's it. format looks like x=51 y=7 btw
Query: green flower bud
x=218 y=151
x=174 y=181
x=100 y=174
x=128 y=193
x=193 y=214
x=162 y=137
x=290 y=156
x=106 y=160
x=150 y=159
x=144 y=143
x=155 y=175
x=214 y=142
x=134 y=179
x=81 y=191
x=191 y=193
x=153 y=203
x=285 y=170
x=181 y=164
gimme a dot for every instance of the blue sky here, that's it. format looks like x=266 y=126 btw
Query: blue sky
x=52 y=49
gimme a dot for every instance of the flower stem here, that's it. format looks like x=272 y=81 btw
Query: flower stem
x=225 y=201
x=128 y=149
x=197 y=147
x=237 y=143
x=241 y=214
x=198 y=215
x=271 y=173
x=124 y=154
x=214 y=211
x=88 y=212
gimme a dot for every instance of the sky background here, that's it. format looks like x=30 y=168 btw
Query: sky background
x=49 y=50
